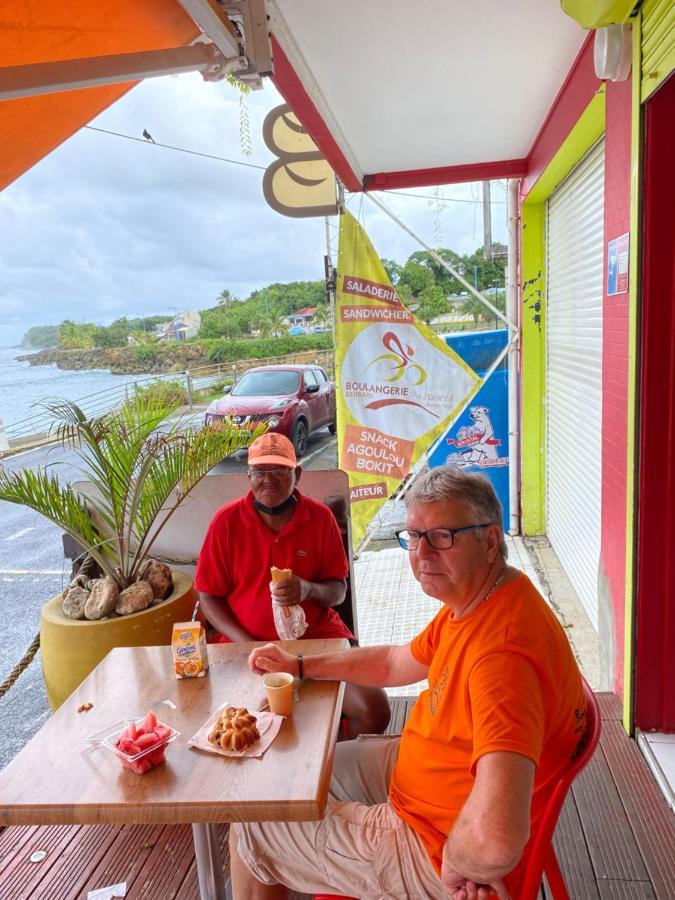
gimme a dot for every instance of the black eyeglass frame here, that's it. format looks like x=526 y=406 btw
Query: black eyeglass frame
x=425 y=534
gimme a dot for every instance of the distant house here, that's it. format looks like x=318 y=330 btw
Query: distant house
x=182 y=327
x=302 y=318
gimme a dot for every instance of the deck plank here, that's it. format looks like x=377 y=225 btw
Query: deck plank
x=614 y=839
x=125 y=858
x=610 y=706
x=614 y=850
x=70 y=854
x=652 y=820
x=627 y=890
x=572 y=852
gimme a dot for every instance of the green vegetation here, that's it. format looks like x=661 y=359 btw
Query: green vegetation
x=147 y=352
x=134 y=466
x=230 y=351
x=164 y=393
x=257 y=325
x=264 y=311
x=41 y=336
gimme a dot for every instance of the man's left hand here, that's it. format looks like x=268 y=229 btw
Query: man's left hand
x=290 y=591
x=461 y=888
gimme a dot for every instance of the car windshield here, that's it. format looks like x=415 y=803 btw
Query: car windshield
x=266 y=384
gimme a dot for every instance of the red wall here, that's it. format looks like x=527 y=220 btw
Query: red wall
x=615 y=365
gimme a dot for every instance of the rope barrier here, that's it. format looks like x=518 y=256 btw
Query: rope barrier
x=21 y=666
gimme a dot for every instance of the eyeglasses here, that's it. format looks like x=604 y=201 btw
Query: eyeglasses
x=437 y=538
x=277 y=473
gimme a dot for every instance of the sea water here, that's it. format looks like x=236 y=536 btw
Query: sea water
x=23 y=387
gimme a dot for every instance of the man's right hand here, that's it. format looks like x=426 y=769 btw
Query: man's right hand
x=272 y=658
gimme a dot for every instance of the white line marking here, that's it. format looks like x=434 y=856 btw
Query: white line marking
x=18 y=534
x=31 y=572
x=305 y=459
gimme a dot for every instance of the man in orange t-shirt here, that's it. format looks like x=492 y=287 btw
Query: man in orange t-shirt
x=447 y=809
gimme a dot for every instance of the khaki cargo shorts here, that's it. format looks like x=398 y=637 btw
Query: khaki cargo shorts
x=361 y=848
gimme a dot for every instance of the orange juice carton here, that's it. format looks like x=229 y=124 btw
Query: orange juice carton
x=188 y=643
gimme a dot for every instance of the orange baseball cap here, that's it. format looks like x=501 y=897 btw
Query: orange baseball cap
x=272 y=449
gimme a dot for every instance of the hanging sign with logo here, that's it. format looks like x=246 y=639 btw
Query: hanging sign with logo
x=299 y=183
x=399 y=384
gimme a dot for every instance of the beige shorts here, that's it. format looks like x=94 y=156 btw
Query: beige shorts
x=361 y=848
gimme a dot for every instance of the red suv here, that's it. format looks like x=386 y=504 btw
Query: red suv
x=292 y=400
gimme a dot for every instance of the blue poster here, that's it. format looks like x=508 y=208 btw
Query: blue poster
x=479 y=439
x=612 y=267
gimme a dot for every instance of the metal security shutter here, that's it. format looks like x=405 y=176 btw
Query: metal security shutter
x=658 y=44
x=574 y=373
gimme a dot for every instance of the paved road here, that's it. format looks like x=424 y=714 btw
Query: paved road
x=33 y=569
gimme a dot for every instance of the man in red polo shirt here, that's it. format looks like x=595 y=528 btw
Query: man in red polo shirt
x=276 y=525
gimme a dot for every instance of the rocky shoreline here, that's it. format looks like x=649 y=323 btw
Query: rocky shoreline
x=122 y=360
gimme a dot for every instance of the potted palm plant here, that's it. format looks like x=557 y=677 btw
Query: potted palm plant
x=140 y=462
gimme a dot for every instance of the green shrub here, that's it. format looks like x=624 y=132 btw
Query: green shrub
x=265 y=348
x=168 y=393
x=147 y=352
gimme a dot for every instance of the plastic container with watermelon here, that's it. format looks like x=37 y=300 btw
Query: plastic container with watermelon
x=140 y=744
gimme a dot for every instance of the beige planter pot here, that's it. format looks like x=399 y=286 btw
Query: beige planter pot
x=71 y=649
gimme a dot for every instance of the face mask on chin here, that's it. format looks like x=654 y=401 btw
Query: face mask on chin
x=275 y=510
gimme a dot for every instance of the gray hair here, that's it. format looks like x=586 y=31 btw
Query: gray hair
x=450 y=484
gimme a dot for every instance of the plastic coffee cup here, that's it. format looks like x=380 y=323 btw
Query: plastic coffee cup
x=279 y=690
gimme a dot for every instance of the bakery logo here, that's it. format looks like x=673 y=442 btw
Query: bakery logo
x=361 y=287
x=396 y=381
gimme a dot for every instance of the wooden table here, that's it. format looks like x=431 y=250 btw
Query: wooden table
x=58 y=778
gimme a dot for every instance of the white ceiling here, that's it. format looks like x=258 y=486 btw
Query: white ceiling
x=415 y=85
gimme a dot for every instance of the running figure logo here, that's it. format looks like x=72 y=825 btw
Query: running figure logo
x=398 y=362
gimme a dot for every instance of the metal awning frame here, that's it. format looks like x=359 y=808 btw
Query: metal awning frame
x=242 y=48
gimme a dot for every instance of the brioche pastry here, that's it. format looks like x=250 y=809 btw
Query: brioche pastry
x=235 y=730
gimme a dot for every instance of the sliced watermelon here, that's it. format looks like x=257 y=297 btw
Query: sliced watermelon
x=163 y=732
x=150 y=722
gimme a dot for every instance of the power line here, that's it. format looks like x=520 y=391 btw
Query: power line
x=130 y=137
x=237 y=162
x=430 y=197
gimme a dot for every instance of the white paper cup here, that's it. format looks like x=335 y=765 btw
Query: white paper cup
x=279 y=691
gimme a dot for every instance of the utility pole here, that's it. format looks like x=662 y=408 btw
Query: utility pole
x=487 y=221
x=331 y=275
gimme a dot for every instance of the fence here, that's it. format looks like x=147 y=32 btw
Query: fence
x=194 y=381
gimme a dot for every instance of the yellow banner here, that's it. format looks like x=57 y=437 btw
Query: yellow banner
x=399 y=384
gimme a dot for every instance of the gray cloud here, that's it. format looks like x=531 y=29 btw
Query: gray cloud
x=105 y=227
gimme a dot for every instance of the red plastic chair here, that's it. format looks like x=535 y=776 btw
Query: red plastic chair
x=542 y=859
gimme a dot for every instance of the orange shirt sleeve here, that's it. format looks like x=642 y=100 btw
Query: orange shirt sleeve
x=423 y=645
x=507 y=707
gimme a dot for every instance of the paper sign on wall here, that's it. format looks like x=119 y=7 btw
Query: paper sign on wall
x=617 y=266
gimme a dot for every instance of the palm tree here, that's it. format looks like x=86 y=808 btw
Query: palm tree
x=279 y=325
x=321 y=316
x=134 y=468
x=266 y=327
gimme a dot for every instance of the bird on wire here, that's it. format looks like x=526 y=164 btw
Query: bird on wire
x=148 y=136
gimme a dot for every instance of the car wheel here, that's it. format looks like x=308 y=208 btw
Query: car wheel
x=332 y=428
x=299 y=437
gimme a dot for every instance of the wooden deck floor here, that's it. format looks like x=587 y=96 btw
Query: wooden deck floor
x=615 y=839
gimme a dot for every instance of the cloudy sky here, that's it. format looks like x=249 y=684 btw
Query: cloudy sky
x=106 y=227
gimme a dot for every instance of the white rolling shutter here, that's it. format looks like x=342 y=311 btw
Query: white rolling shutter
x=575 y=245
